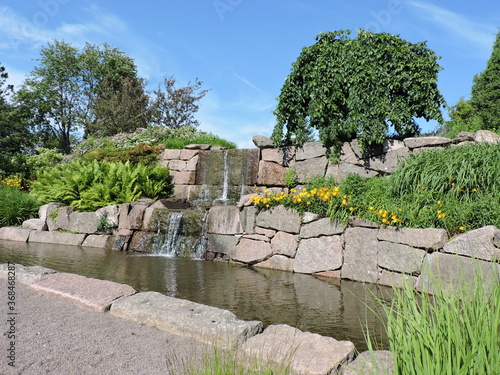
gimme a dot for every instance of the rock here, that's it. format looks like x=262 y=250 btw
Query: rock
x=197 y=147
x=285 y=244
x=35 y=224
x=463 y=137
x=192 y=164
x=224 y=220
x=485 y=136
x=176 y=165
x=360 y=255
x=222 y=243
x=136 y=216
x=309 y=168
x=319 y=254
x=344 y=169
x=271 y=174
x=245 y=200
x=26 y=274
x=401 y=258
x=83 y=222
x=187 y=154
x=248 y=216
x=257 y=237
x=112 y=214
x=386 y=163
x=329 y=274
x=279 y=218
x=173 y=204
x=261 y=141
x=395 y=279
x=277 y=262
x=310 y=150
x=58 y=218
x=96 y=240
x=388 y=145
x=58 y=238
x=309 y=217
x=18 y=234
x=123 y=210
x=142 y=241
x=304 y=352
x=416 y=142
x=466 y=143
x=171 y=154
x=92 y=294
x=496 y=239
x=266 y=232
x=118 y=242
x=477 y=243
x=322 y=227
x=184 y=178
x=429 y=238
x=270 y=154
x=363 y=223
x=46 y=209
x=348 y=155
x=377 y=362
x=207 y=324
x=452 y=273
x=250 y=251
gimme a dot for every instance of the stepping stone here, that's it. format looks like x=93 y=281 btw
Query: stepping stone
x=91 y=294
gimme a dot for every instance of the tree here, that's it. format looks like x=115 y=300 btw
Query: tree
x=462 y=118
x=175 y=107
x=347 y=88
x=485 y=97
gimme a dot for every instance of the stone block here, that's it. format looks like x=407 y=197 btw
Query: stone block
x=319 y=254
x=417 y=142
x=35 y=224
x=270 y=154
x=18 y=234
x=188 y=154
x=26 y=274
x=285 y=244
x=359 y=222
x=142 y=241
x=248 y=215
x=395 y=279
x=192 y=164
x=58 y=238
x=59 y=220
x=401 y=258
x=207 y=324
x=92 y=294
x=46 y=209
x=386 y=163
x=176 y=165
x=124 y=209
x=304 y=352
x=310 y=150
x=360 y=255
x=83 y=222
x=277 y=262
x=224 y=220
x=377 y=149
x=279 y=218
x=486 y=136
x=337 y=274
x=261 y=141
x=309 y=168
x=112 y=214
x=184 y=178
x=340 y=171
x=222 y=243
x=429 y=238
x=96 y=240
x=477 y=243
x=250 y=251
x=322 y=227
x=309 y=217
x=136 y=216
x=348 y=155
x=376 y=362
x=463 y=137
x=197 y=147
x=271 y=174
x=266 y=232
x=171 y=154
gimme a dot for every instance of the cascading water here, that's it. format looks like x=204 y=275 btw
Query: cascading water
x=225 y=183
x=167 y=247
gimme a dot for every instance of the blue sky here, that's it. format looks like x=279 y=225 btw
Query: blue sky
x=243 y=49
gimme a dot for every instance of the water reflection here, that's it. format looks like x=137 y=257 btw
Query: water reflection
x=331 y=308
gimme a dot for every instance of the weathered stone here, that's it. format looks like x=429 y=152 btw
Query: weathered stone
x=266 y=232
x=347 y=154
x=46 y=209
x=359 y=222
x=427 y=149
x=197 y=147
x=261 y=141
x=401 y=258
x=463 y=137
x=124 y=209
x=287 y=156
x=251 y=251
x=245 y=200
x=309 y=217
x=96 y=240
x=171 y=154
x=304 y=352
x=92 y=294
x=15 y=234
x=222 y=243
x=310 y=150
x=58 y=218
x=184 y=178
x=318 y=254
x=248 y=216
x=188 y=154
x=329 y=274
x=207 y=324
x=376 y=362
x=285 y=244
x=360 y=255
x=395 y=279
x=26 y=274
x=224 y=220
x=271 y=174
x=277 y=262
x=35 y=224
x=192 y=164
x=496 y=239
x=118 y=242
x=83 y=222
x=136 y=216
x=311 y=167
x=176 y=165
x=60 y=238
x=257 y=237
x=486 y=136
x=142 y=241
x=429 y=238
x=280 y=219
x=344 y=169
x=270 y=154
x=377 y=149
x=123 y=232
x=452 y=273
x=465 y=143
x=112 y=214
x=416 y=142
x=477 y=243
x=386 y=163
x=322 y=227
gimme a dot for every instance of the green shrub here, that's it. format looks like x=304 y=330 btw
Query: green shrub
x=291 y=178
x=141 y=153
x=16 y=206
x=89 y=185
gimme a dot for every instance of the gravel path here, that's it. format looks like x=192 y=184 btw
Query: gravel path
x=57 y=337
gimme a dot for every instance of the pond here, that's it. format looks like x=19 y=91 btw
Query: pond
x=335 y=308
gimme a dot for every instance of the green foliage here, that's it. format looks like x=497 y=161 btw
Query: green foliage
x=16 y=206
x=486 y=91
x=462 y=119
x=105 y=225
x=142 y=153
x=88 y=186
x=291 y=178
x=356 y=88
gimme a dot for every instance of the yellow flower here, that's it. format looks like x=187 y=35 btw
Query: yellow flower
x=462 y=228
x=439 y=202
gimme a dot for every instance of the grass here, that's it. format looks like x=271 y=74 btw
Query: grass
x=16 y=206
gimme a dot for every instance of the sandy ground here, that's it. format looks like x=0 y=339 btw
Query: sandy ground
x=57 y=337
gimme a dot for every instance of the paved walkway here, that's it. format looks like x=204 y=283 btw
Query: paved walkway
x=57 y=337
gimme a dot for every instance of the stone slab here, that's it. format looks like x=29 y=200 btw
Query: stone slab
x=285 y=244
x=416 y=142
x=35 y=224
x=477 y=243
x=319 y=254
x=224 y=220
x=92 y=294
x=395 y=279
x=24 y=274
x=250 y=251
x=222 y=243
x=322 y=227
x=17 y=234
x=377 y=362
x=207 y=324
x=304 y=352
x=59 y=238
x=96 y=240
x=360 y=255
x=310 y=150
x=279 y=218
x=277 y=262
x=309 y=168
x=401 y=258
x=83 y=222
x=429 y=238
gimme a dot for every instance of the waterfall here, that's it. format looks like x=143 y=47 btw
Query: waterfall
x=168 y=248
x=201 y=245
x=225 y=183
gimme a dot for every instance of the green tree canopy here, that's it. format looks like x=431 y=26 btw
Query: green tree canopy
x=485 y=97
x=347 y=88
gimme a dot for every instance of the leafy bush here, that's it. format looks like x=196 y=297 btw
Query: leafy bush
x=89 y=185
x=16 y=206
x=141 y=153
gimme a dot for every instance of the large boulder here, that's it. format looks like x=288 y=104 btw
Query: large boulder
x=417 y=142
x=285 y=244
x=319 y=254
x=310 y=150
x=311 y=167
x=485 y=136
x=360 y=255
x=400 y=258
x=222 y=243
x=477 y=243
x=18 y=234
x=250 y=251
x=35 y=224
x=83 y=222
x=224 y=220
x=261 y=141
x=271 y=174
x=58 y=238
